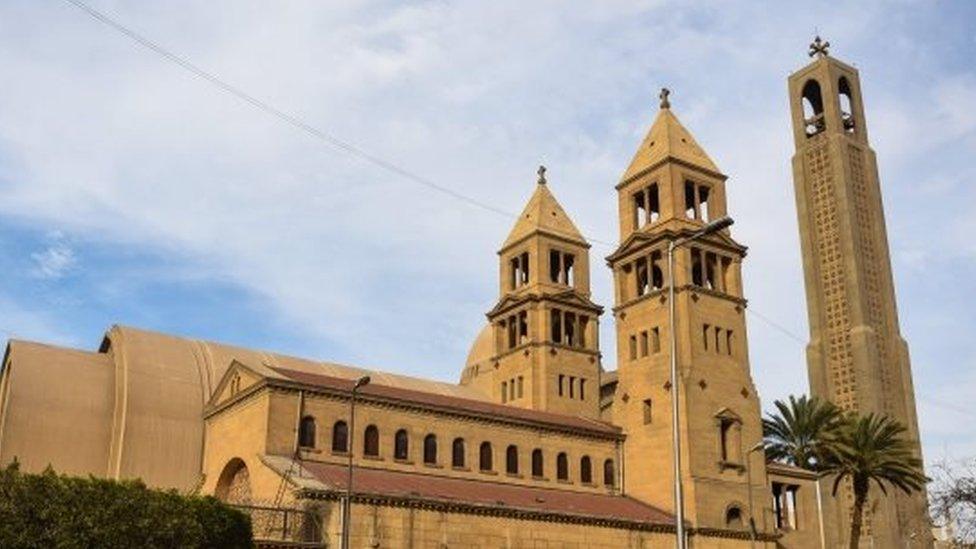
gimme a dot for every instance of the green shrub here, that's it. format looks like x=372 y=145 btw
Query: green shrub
x=51 y=510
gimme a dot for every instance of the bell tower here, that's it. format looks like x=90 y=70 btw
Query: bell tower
x=670 y=191
x=856 y=357
x=544 y=327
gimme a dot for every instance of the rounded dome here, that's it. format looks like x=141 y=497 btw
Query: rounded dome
x=481 y=351
x=482 y=348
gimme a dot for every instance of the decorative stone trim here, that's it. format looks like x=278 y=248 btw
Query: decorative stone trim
x=548 y=233
x=415 y=502
x=662 y=295
x=662 y=162
x=549 y=344
x=723 y=465
x=454 y=413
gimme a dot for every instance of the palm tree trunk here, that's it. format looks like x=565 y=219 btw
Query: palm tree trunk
x=857 y=513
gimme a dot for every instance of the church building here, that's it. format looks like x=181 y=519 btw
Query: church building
x=540 y=444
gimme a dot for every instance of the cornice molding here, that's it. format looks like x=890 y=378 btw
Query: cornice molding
x=429 y=504
x=399 y=404
x=669 y=159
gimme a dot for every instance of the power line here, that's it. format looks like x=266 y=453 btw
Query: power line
x=278 y=113
x=317 y=133
x=351 y=149
x=291 y=119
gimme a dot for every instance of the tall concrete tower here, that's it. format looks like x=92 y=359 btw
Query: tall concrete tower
x=671 y=190
x=856 y=356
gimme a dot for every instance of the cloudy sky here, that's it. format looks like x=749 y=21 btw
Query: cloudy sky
x=132 y=191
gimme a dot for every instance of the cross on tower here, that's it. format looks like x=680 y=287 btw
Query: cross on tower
x=542 y=175
x=818 y=48
x=665 y=104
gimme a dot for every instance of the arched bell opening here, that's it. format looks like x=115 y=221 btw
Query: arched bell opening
x=813 y=112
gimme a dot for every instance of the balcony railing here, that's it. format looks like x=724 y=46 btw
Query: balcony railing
x=284 y=527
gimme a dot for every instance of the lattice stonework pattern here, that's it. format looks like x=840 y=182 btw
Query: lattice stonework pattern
x=239 y=491
x=869 y=260
x=832 y=274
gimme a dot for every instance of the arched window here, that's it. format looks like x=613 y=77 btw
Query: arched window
x=812 y=100
x=457 y=453
x=484 y=457
x=609 y=478
x=538 y=470
x=586 y=470
x=430 y=449
x=733 y=517
x=371 y=441
x=846 y=104
x=340 y=437
x=306 y=432
x=511 y=460
x=401 y=445
x=562 y=466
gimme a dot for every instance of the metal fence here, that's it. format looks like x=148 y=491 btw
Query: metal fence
x=285 y=526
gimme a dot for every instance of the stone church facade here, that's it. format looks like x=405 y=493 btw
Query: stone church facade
x=538 y=445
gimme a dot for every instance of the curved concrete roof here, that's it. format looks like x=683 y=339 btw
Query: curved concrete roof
x=56 y=408
x=135 y=408
x=481 y=350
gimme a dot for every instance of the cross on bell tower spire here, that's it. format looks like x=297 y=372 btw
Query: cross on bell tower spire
x=818 y=48
x=665 y=104
x=542 y=175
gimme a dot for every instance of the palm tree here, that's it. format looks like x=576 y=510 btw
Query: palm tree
x=871 y=449
x=801 y=433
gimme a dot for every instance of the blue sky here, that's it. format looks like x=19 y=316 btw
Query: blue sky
x=133 y=192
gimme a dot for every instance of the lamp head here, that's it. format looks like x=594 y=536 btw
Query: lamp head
x=361 y=381
x=717 y=225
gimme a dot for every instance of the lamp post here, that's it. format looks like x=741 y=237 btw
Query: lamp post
x=679 y=498
x=823 y=541
x=347 y=507
x=761 y=445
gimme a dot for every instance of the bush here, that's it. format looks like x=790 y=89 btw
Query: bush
x=51 y=510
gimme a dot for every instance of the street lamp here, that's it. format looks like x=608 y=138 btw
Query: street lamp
x=679 y=498
x=761 y=445
x=823 y=540
x=347 y=508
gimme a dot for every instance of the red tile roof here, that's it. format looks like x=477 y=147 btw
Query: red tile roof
x=490 y=495
x=456 y=404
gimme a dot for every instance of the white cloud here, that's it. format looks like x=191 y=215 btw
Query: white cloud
x=119 y=147
x=55 y=260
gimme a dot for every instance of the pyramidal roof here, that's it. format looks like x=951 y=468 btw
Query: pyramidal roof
x=668 y=138
x=543 y=214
